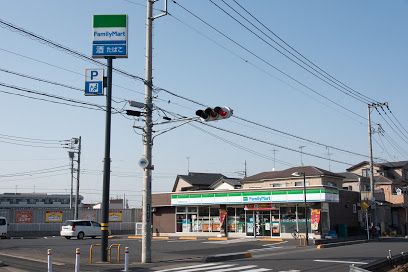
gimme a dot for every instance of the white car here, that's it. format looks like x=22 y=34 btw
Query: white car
x=3 y=227
x=80 y=229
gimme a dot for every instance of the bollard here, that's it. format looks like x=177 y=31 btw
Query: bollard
x=389 y=254
x=126 y=268
x=49 y=260
x=77 y=253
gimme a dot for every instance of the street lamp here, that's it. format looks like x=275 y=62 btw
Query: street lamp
x=299 y=174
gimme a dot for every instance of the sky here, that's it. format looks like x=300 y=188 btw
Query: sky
x=299 y=76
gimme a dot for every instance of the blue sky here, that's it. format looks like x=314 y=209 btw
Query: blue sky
x=361 y=43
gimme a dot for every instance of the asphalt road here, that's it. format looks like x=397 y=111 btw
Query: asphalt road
x=173 y=255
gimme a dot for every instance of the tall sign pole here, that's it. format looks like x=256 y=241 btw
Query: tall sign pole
x=109 y=41
x=106 y=165
x=147 y=143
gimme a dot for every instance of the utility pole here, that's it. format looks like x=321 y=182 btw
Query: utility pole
x=77 y=178
x=147 y=136
x=71 y=155
x=370 y=146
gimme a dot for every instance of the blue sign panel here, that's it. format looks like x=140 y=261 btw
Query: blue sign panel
x=94 y=81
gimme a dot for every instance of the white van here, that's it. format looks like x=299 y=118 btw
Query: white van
x=3 y=227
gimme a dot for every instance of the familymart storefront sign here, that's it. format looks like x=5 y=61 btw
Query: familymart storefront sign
x=282 y=196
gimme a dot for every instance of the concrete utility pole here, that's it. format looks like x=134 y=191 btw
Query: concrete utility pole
x=77 y=184
x=71 y=155
x=147 y=137
x=370 y=146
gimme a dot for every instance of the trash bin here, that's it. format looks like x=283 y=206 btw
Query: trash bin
x=342 y=231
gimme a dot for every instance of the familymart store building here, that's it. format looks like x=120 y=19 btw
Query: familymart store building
x=242 y=213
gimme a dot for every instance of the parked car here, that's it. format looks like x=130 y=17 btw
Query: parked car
x=3 y=227
x=80 y=229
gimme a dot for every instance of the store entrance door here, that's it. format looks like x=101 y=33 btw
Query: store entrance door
x=264 y=221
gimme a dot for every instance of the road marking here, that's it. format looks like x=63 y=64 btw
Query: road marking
x=217 y=267
x=198 y=266
x=29 y=259
x=228 y=241
x=335 y=261
x=235 y=268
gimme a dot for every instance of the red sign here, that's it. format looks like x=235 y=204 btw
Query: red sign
x=260 y=207
x=24 y=217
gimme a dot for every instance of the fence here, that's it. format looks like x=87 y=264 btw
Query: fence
x=48 y=221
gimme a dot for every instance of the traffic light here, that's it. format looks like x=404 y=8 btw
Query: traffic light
x=212 y=114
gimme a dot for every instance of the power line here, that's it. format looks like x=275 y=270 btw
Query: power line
x=267 y=62
x=315 y=72
x=269 y=143
x=300 y=54
x=61 y=47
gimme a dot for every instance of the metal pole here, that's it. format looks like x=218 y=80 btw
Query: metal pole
x=368 y=228
x=370 y=146
x=77 y=259
x=306 y=216
x=106 y=166
x=147 y=141
x=49 y=260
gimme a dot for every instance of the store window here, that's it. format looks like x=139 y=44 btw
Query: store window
x=232 y=220
x=204 y=218
x=288 y=219
x=301 y=218
x=215 y=219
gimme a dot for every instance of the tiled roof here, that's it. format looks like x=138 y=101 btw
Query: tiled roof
x=199 y=179
x=397 y=164
x=308 y=170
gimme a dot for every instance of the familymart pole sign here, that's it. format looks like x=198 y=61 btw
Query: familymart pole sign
x=110 y=36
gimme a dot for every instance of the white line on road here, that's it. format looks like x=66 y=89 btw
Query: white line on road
x=195 y=267
x=335 y=261
x=242 y=268
x=29 y=259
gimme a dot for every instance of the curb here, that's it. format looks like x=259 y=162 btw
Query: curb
x=188 y=238
x=227 y=257
x=153 y=238
x=270 y=239
x=341 y=244
x=217 y=238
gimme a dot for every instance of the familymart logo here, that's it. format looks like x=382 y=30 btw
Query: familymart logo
x=256 y=198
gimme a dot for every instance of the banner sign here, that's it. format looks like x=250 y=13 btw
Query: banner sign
x=259 y=207
x=110 y=36
x=315 y=219
x=24 y=217
x=115 y=216
x=53 y=216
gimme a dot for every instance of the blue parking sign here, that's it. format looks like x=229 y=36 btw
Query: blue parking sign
x=94 y=81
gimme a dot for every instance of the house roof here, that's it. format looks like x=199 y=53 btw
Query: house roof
x=308 y=170
x=231 y=181
x=198 y=179
x=357 y=165
x=350 y=177
x=397 y=164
